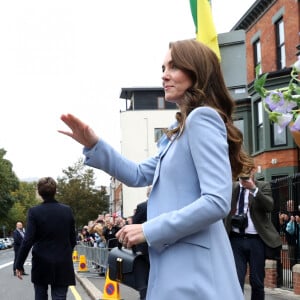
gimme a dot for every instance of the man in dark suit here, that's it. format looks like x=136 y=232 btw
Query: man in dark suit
x=18 y=236
x=251 y=200
x=51 y=231
x=139 y=217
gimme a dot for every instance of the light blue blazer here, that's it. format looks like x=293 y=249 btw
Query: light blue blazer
x=190 y=253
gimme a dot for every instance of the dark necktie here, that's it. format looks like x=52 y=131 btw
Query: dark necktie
x=241 y=205
x=241 y=201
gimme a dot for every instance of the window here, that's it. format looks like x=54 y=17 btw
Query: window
x=278 y=138
x=240 y=125
x=158 y=132
x=280 y=46
x=160 y=102
x=259 y=126
x=257 y=55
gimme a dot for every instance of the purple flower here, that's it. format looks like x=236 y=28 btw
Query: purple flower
x=296 y=125
x=283 y=120
x=282 y=104
x=290 y=105
x=275 y=100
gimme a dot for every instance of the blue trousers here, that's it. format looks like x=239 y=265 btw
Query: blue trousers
x=250 y=250
x=57 y=292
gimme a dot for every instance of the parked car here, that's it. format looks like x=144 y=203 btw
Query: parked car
x=12 y=240
x=2 y=245
x=8 y=242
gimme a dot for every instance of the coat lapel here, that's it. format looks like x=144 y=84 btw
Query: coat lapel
x=161 y=155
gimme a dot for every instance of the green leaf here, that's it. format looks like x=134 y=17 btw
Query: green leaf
x=259 y=85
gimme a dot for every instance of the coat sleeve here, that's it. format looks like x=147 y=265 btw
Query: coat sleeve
x=17 y=239
x=263 y=199
x=140 y=215
x=104 y=157
x=72 y=231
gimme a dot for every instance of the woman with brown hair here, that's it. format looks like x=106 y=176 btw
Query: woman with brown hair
x=191 y=178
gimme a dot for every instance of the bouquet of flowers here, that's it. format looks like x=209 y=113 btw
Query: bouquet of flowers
x=282 y=104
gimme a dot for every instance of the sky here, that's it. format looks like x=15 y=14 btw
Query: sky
x=71 y=56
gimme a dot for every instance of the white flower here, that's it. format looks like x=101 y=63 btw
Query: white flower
x=296 y=65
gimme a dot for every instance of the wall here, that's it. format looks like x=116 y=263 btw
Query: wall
x=265 y=28
x=137 y=144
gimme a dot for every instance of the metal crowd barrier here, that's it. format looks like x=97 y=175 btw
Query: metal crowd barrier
x=95 y=257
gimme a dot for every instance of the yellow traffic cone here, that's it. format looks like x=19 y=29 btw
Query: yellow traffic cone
x=111 y=289
x=75 y=256
x=82 y=267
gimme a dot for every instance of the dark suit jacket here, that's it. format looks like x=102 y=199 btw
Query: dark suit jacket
x=140 y=217
x=17 y=240
x=260 y=207
x=51 y=231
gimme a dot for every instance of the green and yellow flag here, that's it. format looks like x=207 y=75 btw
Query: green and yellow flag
x=205 y=28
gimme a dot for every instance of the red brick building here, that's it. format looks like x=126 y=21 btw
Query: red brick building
x=272 y=37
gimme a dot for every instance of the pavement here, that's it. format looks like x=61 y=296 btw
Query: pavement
x=94 y=284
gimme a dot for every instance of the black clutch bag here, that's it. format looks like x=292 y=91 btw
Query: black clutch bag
x=129 y=267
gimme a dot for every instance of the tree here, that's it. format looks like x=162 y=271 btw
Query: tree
x=25 y=197
x=9 y=184
x=77 y=189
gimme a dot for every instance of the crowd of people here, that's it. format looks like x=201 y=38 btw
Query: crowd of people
x=101 y=232
x=289 y=220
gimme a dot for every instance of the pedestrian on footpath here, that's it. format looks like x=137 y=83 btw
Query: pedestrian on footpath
x=50 y=231
x=18 y=236
x=191 y=178
x=251 y=230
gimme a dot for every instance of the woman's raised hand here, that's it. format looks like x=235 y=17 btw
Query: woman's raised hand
x=80 y=131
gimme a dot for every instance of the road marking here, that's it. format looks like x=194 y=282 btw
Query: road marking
x=72 y=287
x=6 y=265
x=27 y=263
x=74 y=292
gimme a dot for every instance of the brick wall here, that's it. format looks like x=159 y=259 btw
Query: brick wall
x=285 y=158
x=268 y=37
x=270 y=274
x=296 y=279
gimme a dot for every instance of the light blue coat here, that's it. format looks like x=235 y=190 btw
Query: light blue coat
x=189 y=249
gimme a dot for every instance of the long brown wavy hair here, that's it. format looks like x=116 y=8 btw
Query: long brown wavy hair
x=201 y=64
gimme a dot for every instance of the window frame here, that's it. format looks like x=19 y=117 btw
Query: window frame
x=259 y=125
x=280 y=44
x=257 y=55
x=274 y=133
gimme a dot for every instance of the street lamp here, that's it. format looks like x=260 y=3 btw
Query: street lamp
x=3 y=229
x=112 y=186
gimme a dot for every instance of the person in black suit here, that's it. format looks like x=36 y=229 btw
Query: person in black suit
x=51 y=231
x=18 y=236
x=139 y=217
